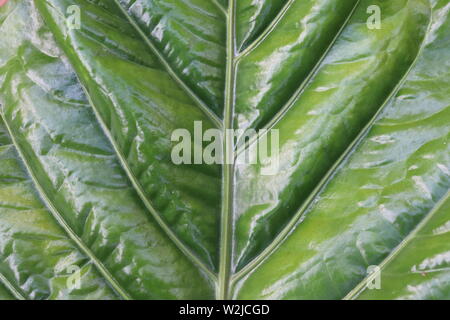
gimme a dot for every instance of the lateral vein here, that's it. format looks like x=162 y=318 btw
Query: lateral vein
x=266 y=31
x=202 y=105
x=8 y=285
x=221 y=8
x=60 y=219
x=361 y=287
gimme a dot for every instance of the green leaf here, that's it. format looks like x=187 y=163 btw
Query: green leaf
x=87 y=180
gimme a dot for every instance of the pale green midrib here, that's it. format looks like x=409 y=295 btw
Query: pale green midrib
x=14 y=291
x=266 y=31
x=226 y=236
x=61 y=221
x=361 y=287
x=298 y=93
x=203 y=107
x=331 y=172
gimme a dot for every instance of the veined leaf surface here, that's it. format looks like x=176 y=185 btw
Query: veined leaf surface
x=88 y=185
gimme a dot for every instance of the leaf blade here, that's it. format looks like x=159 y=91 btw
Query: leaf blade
x=383 y=203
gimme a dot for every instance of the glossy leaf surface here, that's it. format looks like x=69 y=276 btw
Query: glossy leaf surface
x=88 y=186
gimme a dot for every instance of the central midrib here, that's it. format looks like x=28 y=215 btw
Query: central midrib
x=222 y=290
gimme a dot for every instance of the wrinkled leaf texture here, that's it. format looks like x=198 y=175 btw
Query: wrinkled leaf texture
x=87 y=182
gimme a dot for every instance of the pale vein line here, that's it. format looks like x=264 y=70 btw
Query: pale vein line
x=140 y=191
x=8 y=285
x=60 y=219
x=228 y=169
x=210 y=114
x=221 y=8
x=361 y=287
x=267 y=31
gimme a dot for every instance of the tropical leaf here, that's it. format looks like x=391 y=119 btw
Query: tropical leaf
x=93 y=206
